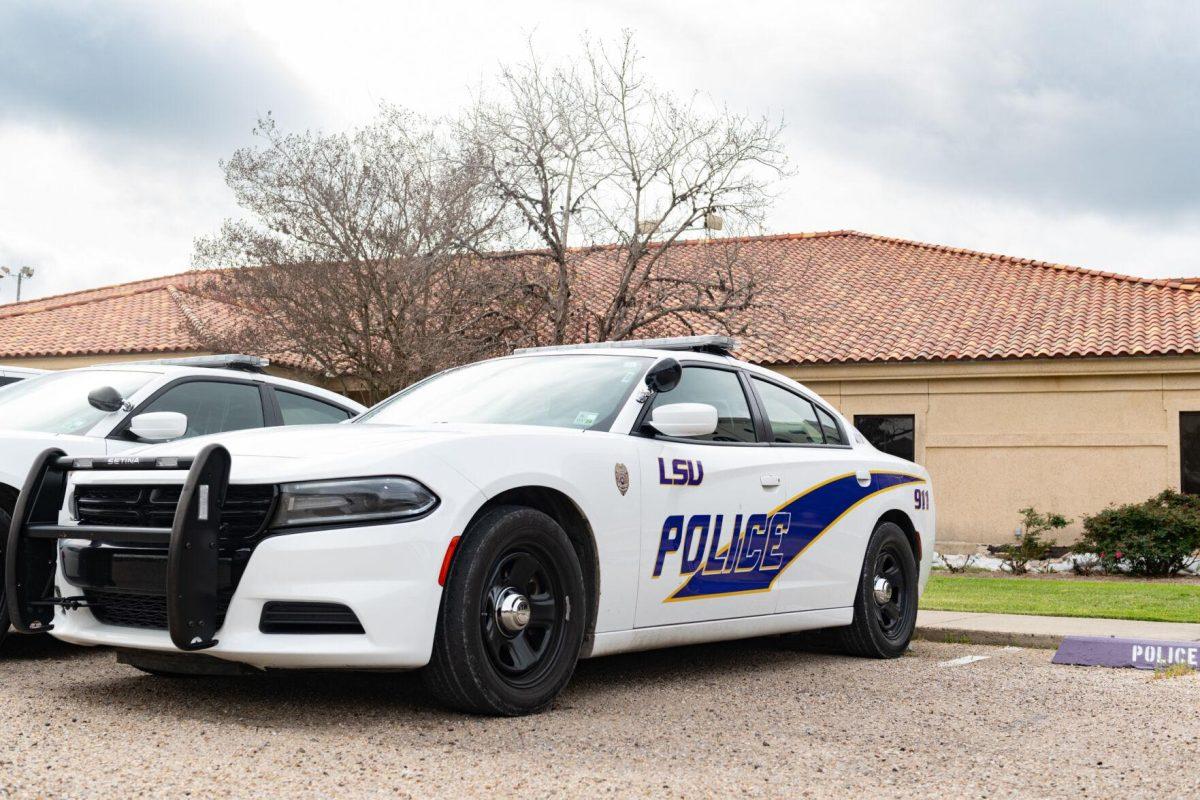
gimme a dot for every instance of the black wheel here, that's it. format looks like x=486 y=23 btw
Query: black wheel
x=512 y=616
x=5 y=520
x=885 y=606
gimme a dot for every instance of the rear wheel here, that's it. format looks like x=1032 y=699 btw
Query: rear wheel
x=885 y=605
x=512 y=616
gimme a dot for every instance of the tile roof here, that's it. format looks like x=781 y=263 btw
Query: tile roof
x=842 y=296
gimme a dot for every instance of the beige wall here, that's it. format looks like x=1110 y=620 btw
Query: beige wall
x=1065 y=435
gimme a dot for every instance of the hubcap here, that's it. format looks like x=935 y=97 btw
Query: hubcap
x=512 y=611
x=890 y=590
x=883 y=590
x=522 y=611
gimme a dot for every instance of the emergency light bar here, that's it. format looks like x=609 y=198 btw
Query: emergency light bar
x=225 y=361
x=713 y=343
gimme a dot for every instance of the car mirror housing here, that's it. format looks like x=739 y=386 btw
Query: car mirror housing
x=685 y=419
x=106 y=398
x=664 y=375
x=159 y=426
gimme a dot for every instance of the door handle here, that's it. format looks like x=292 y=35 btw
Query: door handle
x=863 y=476
x=770 y=481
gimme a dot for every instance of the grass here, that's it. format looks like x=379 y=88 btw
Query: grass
x=1159 y=602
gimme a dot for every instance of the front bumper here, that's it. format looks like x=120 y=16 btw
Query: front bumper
x=387 y=574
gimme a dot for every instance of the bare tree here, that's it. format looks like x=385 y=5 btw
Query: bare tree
x=358 y=256
x=593 y=153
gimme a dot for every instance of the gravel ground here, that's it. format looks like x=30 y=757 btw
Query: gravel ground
x=743 y=719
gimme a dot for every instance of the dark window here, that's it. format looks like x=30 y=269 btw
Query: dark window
x=793 y=419
x=891 y=433
x=298 y=409
x=833 y=431
x=1189 y=451
x=5 y=381
x=213 y=407
x=716 y=387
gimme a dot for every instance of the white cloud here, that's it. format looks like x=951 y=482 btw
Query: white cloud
x=1064 y=131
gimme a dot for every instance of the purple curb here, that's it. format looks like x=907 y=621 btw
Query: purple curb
x=1103 y=651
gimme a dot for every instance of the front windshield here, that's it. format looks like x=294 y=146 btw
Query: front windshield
x=585 y=392
x=58 y=402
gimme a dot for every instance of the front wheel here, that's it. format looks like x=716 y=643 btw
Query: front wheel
x=512 y=616
x=885 y=605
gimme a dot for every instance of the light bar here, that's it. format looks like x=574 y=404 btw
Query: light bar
x=708 y=343
x=225 y=361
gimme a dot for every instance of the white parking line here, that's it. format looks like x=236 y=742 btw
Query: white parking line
x=958 y=662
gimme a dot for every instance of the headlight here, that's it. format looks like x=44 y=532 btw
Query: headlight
x=351 y=500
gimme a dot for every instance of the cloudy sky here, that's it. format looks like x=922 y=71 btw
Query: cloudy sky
x=1054 y=130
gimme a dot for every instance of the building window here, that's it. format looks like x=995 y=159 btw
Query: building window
x=1189 y=451
x=891 y=433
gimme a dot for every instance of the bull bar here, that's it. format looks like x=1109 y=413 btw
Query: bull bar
x=31 y=555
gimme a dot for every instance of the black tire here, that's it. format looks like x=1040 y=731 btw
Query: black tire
x=883 y=629
x=478 y=664
x=5 y=521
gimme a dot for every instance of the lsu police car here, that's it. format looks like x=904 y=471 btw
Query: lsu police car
x=490 y=525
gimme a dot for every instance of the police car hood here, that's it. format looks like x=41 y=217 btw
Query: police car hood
x=309 y=441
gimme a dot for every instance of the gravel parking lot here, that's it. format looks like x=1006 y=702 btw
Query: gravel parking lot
x=742 y=718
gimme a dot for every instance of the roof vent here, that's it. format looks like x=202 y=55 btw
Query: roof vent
x=715 y=344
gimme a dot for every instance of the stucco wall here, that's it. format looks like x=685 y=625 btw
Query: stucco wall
x=1070 y=436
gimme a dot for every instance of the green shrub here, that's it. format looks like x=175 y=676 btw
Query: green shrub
x=1030 y=546
x=1157 y=537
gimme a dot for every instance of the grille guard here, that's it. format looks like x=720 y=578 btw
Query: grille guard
x=31 y=557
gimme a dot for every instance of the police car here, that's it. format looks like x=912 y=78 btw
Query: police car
x=490 y=525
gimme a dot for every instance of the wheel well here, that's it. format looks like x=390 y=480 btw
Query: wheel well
x=8 y=497
x=901 y=519
x=562 y=510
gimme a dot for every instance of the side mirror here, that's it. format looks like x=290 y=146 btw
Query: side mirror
x=684 y=419
x=664 y=375
x=106 y=398
x=159 y=426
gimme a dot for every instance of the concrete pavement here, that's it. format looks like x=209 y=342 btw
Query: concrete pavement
x=1025 y=630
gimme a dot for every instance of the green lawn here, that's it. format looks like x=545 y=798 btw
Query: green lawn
x=1161 y=601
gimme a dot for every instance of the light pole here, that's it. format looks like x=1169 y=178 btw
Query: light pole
x=21 y=274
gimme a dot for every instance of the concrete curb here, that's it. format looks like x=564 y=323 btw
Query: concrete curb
x=1041 y=641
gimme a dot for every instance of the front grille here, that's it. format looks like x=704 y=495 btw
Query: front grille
x=243 y=517
x=137 y=610
x=127 y=586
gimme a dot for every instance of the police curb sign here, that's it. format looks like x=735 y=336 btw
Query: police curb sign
x=1104 y=651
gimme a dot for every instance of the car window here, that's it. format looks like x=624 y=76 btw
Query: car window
x=833 y=431
x=793 y=418
x=212 y=406
x=715 y=387
x=298 y=409
x=5 y=380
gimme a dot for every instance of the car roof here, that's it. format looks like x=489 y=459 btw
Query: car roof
x=173 y=371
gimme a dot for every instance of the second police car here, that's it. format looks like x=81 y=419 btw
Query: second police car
x=490 y=525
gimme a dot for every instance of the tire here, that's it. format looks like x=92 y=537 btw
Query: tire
x=484 y=661
x=883 y=629
x=5 y=521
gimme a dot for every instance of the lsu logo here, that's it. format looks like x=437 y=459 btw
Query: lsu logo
x=718 y=556
x=683 y=472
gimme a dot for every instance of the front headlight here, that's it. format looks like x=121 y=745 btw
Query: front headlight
x=351 y=500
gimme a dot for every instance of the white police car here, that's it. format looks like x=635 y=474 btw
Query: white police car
x=109 y=409
x=491 y=524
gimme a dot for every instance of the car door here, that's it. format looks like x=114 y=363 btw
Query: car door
x=704 y=526
x=821 y=551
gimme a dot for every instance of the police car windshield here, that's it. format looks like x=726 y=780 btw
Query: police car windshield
x=585 y=392
x=58 y=401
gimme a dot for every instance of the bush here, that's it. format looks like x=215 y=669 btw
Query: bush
x=1157 y=537
x=1030 y=546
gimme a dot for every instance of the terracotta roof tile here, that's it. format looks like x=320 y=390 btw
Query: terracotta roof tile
x=843 y=296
